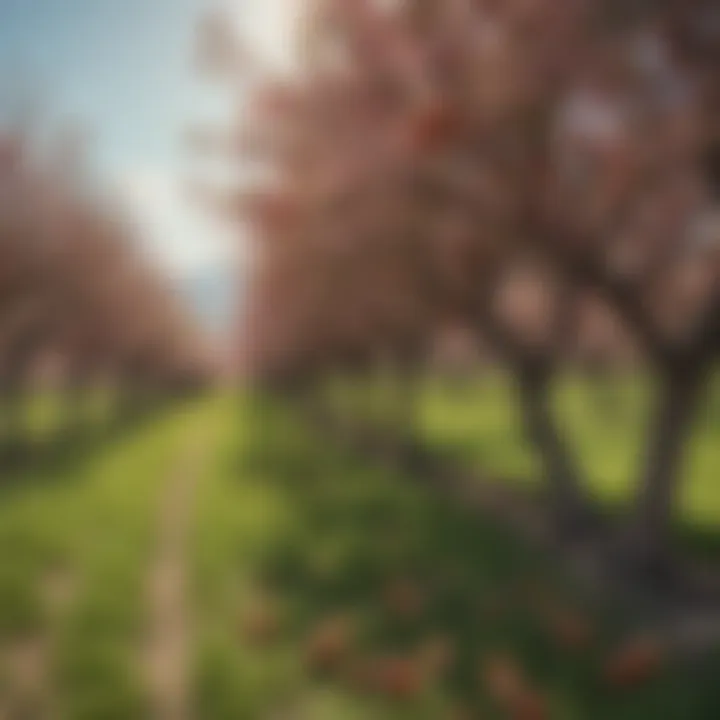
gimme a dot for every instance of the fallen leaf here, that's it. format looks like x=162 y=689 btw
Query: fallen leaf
x=507 y=686
x=530 y=704
x=329 y=643
x=405 y=599
x=634 y=663
x=503 y=679
x=436 y=655
x=570 y=629
x=261 y=623
x=401 y=678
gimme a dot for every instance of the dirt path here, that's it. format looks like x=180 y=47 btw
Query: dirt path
x=167 y=652
x=26 y=660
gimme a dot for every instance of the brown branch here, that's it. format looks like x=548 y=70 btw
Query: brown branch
x=624 y=299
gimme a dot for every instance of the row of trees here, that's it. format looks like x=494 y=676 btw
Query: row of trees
x=534 y=171
x=76 y=296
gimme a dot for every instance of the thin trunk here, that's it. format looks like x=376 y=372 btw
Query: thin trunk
x=604 y=397
x=670 y=429
x=74 y=396
x=312 y=401
x=13 y=430
x=409 y=404
x=402 y=392
x=562 y=477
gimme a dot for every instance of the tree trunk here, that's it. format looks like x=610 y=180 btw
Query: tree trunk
x=407 y=419
x=74 y=397
x=671 y=424
x=604 y=396
x=570 y=507
x=13 y=430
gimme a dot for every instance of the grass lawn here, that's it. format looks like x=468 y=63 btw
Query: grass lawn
x=76 y=536
x=323 y=587
x=476 y=421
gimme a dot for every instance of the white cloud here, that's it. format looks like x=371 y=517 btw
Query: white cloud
x=181 y=238
x=202 y=257
x=269 y=25
x=178 y=235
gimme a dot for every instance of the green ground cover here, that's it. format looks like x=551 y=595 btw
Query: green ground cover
x=321 y=538
x=76 y=536
x=324 y=587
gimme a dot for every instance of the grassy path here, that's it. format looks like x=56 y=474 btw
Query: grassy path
x=222 y=562
x=169 y=642
x=327 y=589
x=77 y=540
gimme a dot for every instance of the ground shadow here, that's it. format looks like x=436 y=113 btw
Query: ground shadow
x=406 y=572
x=62 y=455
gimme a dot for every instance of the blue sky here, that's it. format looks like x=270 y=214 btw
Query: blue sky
x=121 y=65
x=123 y=68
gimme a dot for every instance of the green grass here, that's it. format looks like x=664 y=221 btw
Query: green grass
x=479 y=424
x=316 y=532
x=43 y=414
x=97 y=653
x=284 y=518
x=477 y=421
x=87 y=522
